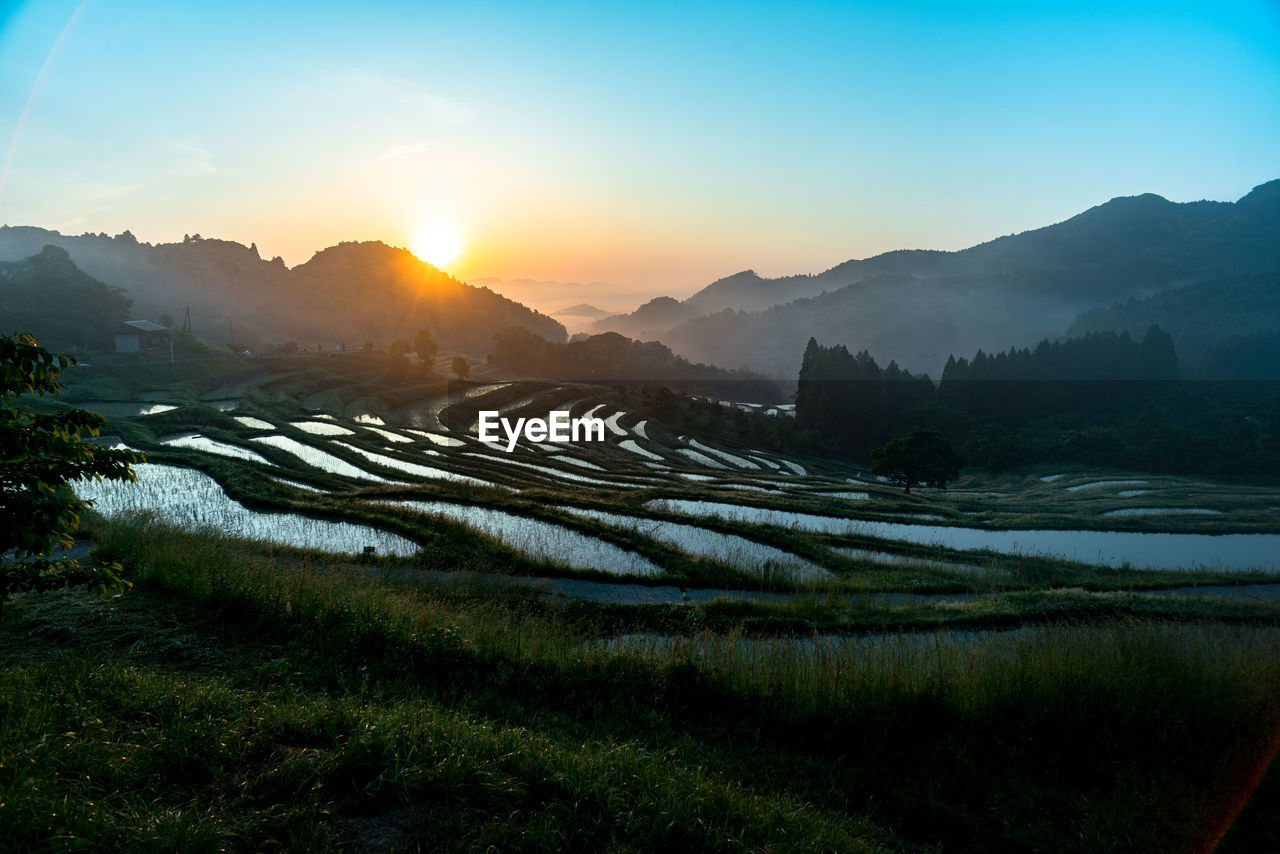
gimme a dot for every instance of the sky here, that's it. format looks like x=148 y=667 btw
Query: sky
x=653 y=146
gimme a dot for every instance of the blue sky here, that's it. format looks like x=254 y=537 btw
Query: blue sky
x=655 y=147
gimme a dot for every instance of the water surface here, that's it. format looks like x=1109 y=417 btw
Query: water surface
x=1225 y=552
x=538 y=539
x=736 y=551
x=191 y=499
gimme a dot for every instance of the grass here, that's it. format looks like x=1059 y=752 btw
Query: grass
x=244 y=699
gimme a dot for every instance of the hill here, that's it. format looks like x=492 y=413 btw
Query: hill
x=916 y=306
x=582 y=309
x=377 y=287
x=353 y=292
x=50 y=297
x=610 y=358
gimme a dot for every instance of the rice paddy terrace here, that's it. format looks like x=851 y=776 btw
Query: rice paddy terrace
x=1091 y=651
x=328 y=459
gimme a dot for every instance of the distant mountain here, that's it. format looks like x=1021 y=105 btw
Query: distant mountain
x=353 y=292
x=549 y=296
x=1198 y=316
x=582 y=309
x=747 y=291
x=919 y=306
x=649 y=321
x=916 y=322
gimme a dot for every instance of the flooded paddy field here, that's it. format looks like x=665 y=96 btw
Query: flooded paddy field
x=693 y=507
x=190 y=499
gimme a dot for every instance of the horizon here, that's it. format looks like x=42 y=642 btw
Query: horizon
x=656 y=153
x=526 y=282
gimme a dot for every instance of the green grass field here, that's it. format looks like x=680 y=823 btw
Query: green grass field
x=238 y=699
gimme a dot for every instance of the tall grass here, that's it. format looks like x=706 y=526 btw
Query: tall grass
x=478 y=721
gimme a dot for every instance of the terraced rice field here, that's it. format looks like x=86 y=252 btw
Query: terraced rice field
x=647 y=501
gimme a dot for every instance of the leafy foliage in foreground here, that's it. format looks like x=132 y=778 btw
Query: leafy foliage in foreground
x=40 y=453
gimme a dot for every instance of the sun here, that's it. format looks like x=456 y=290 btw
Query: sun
x=438 y=243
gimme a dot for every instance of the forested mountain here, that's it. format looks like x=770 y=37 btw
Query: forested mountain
x=48 y=296
x=1199 y=317
x=917 y=306
x=374 y=286
x=747 y=291
x=917 y=322
x=353 y=292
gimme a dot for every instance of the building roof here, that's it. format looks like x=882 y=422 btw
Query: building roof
x=146 y=326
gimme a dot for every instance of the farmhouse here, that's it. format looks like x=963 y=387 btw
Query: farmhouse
x=134 y=335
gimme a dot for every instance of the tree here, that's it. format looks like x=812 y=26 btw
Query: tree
x=397 y=364
x=993 y=447
x=425 y=346
x=49 y=295
x=40 y=454
x=921 y=456
x=460 y=367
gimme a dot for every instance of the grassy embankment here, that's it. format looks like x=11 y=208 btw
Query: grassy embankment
x=247 y=699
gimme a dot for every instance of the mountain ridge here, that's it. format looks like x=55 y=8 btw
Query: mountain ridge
x=352 y=292
x=1010 y=290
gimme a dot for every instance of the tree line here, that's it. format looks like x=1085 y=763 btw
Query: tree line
x=1103 y=398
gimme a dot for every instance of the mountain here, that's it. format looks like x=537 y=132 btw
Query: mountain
x=50 y=297
x=649 y=321
x=374 y=286
x=578 y=318
x=353 y=292
x=919 y=306
x=916 y=322
x=747 y=291
x=582 y=309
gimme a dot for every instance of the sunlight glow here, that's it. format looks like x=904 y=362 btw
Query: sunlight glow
x=439 y=244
